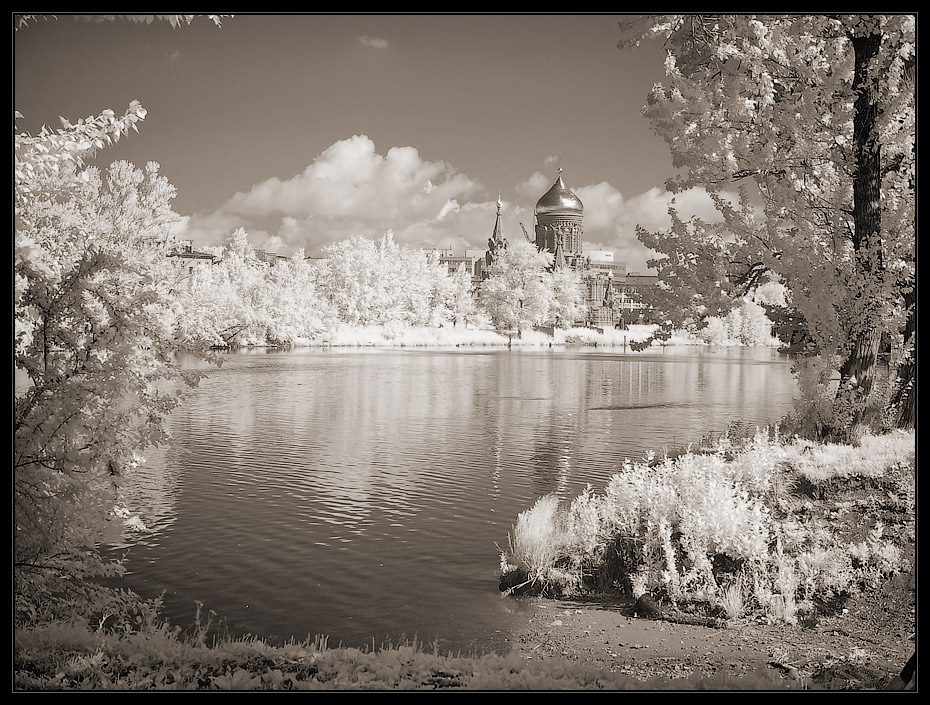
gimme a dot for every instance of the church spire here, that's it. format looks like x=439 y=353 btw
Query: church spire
x=498 y=233
x=496 y=242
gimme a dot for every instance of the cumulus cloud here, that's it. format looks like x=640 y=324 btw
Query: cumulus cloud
x=610 y=220
x=373 y=42
x=351 y=189
x=535 y=186
x=274 y=243
x=450 y=206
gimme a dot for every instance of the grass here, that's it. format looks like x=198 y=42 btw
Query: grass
x=733 y=599
x=68 y=657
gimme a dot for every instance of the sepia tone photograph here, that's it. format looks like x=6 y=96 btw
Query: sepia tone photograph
x=491 y=352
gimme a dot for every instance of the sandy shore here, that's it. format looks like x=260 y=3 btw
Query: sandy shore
x=845 y=651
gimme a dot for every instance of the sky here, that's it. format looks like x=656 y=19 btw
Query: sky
x=305 y=129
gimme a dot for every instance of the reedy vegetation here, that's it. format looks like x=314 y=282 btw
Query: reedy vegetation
x=740 y=527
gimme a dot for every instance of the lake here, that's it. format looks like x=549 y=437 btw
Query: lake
x=362 y=493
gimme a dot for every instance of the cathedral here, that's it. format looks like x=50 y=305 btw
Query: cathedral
x=558 y=226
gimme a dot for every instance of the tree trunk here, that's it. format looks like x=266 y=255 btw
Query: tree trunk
x=904 y=397
x=858 y=370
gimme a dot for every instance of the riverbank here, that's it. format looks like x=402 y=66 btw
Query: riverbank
x=847 y=533
x=596 y=644
x=861 y=647
x=465 y=337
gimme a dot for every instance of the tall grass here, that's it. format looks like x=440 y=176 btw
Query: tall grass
x=731 y=527
x=71 y=657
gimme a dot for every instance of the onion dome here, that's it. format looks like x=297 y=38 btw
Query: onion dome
x=559 y=199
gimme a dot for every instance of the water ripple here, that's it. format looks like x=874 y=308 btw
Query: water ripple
x=363 y=495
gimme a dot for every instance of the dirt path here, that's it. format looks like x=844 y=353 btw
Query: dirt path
x=862 y=648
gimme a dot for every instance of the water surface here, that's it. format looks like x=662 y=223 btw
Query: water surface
x=360 y=494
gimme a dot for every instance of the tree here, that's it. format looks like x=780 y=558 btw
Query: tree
x=24 y=21
x=354 y=277
x=293 y=308
x=370 y=282
x=517 y=293
x=460 y=296
x=221 y=304
x=813 y=117
x=93 y=344
x=242 y=300
x=44 y=158
x=567 y=297
x=94 y=328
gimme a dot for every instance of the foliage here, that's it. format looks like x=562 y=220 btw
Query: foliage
x=93 y=322
x=375 y=292
x=745 y=324
x=813 y=115
x=294 y=308
x=567 y=297
x=517 y=294
x=215 y=299
x=360 y=283
x=458 y=297
x=24 y=21
x=728 y=525
x=540 y=538
x=47 y=156
x=369 y=282
x=242 y=300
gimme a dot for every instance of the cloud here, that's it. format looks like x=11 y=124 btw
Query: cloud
x=535 y=186
x=274 y=243
x=373 y=42
x=449 y=206
x=351 y=189
x=610 y=220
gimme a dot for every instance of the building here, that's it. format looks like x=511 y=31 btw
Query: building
x=269 y=258
x=189 y=258
x=559 y=214
x=559 y=227
x=610 y=293
x=472 y=259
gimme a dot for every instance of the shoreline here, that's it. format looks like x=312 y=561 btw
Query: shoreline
x=346 y=336
x=861 y=648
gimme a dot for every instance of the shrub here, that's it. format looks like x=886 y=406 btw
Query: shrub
x=722 y=526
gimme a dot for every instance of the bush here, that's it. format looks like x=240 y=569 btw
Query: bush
x=726 y=526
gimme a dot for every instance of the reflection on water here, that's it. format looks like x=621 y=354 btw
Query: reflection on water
x=361 y=494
